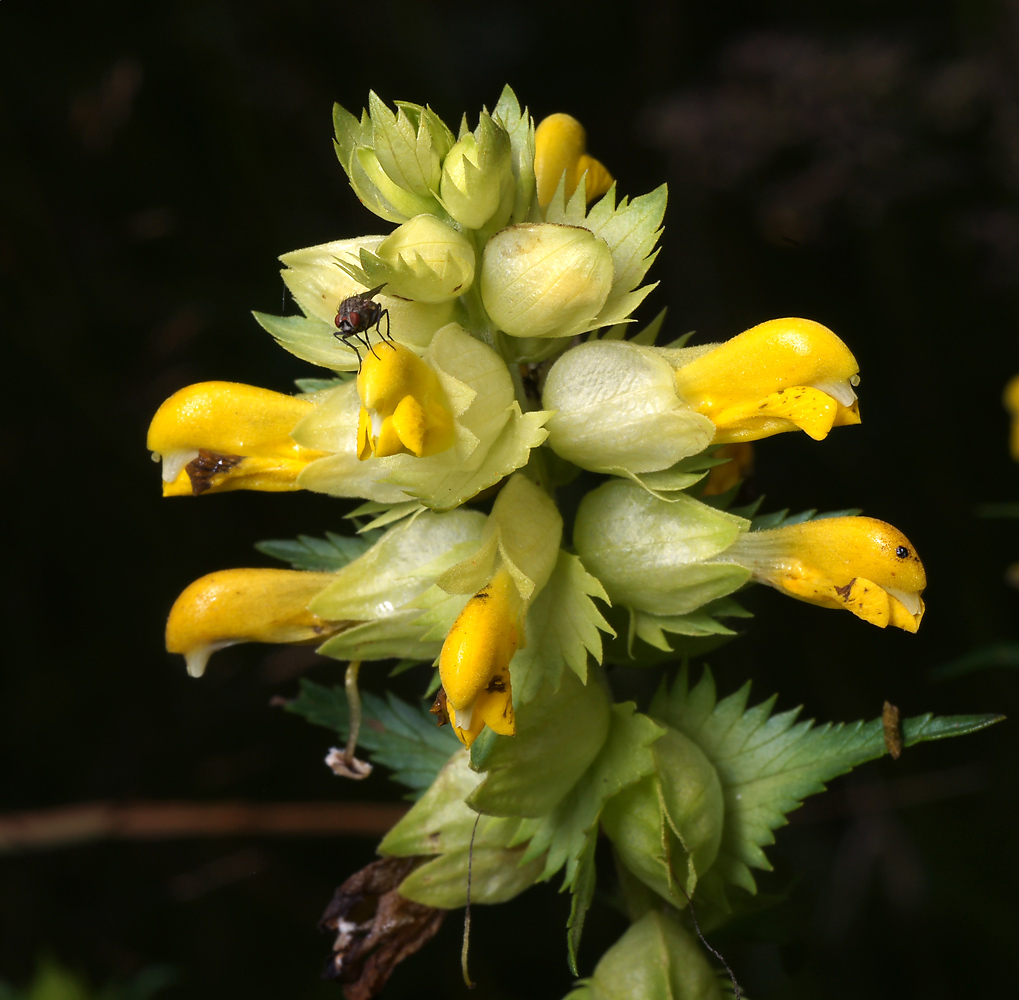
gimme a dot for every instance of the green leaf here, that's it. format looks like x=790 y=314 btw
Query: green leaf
x=769 y=763
x=399 y=736
x=317 y=554
x=563 y=626
x=558 y=736
x=313 y=385
x=624 y=758
x=583 y=894
x=309 y=339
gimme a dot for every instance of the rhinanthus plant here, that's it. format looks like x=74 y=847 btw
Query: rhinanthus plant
x=479 y=359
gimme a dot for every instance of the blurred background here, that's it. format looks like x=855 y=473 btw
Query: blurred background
x=853 y=162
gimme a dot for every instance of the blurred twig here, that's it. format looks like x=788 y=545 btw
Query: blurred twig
x=67 y=825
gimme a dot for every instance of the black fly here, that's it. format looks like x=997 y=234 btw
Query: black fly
x=357 y=315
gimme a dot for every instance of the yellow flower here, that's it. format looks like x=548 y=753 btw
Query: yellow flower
x=404 y=410
x=779 y=376
x=559 y=148
x=475 y=658
x=219 y=436
x=245 y=605
x=861 y=564
x=1012 y=405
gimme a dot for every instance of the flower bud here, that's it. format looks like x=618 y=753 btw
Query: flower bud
x=545 y=280
x=667 y=828
x=861 y=564
x=656 y=959
x=410 y=144
x=559 y=148
x=424 y=260
x=477 y=176
x=245 y=605
x=653 y=555
x=617 y=410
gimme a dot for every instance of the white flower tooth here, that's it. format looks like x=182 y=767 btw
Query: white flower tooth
x=174 y=462
x=840 y=391
x=909 y=600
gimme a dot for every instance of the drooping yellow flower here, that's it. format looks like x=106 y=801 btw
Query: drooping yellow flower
x=560 y=144
x=475 y=658
x=861 y=564
x=245 y=605
x=778 y=376
x=1012 y=405
x=404 y=410
x=218 y=436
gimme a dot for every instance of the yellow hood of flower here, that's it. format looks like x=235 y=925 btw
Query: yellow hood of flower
x=559 y=148
x=779 y=376
x=245 y=605
x=404 y=409
x=475 y=658
x=861 y=564
x=220 y=436
x=1012 y=405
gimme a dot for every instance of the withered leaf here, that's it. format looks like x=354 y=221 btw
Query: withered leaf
x=376 y=928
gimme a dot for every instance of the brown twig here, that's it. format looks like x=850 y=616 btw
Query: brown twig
x=64 y=826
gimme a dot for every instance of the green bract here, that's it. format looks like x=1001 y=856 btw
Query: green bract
x=424 y=260
x=477 y=184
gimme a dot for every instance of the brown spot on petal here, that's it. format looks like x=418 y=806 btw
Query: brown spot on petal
x=376 y=928
x=208 y=464
x=844 y=592
x=439 y=709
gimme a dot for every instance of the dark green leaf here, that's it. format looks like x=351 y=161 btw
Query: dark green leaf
x=996 y=654
x=402 y=737
x=318 y=554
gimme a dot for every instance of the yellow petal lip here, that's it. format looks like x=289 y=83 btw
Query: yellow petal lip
x=220 y=436
x=404 y=410
x=861 y=564
x=782 y=375
x=245 y=605
x=560 y=144
x=1012 y=405
x=475 y=658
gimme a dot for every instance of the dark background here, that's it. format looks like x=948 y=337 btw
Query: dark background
x=853 y=162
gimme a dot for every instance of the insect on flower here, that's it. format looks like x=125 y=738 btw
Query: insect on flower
x=358 y=314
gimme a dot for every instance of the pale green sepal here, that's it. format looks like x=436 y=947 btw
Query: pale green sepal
x=617 y=411
x=477 y=184
x=497 y=875
x=399 y=204
x=382 y=515
x=652 y=628
x=424 y=260
x=410 y=144
x=656 y=959
x=654 y=555
x=441 y=824
x=626 y=756
x=519 y=127
x=557 y=738
x=399 y=567
x=352 y=135
x=564 y=625
x=309 y=339
x=583 y=895
x=441 y=821
x=395 y=637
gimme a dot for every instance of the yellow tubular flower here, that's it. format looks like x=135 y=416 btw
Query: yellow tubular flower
x=475 y=658
x=740 y=464
x=404 y=410
x=245 y=605
x=779 y=376
x=219 y=436
x=861 y=564
x=559 y=148
x=1012 y=405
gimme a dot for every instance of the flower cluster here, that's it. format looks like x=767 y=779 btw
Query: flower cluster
x=500 y=372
